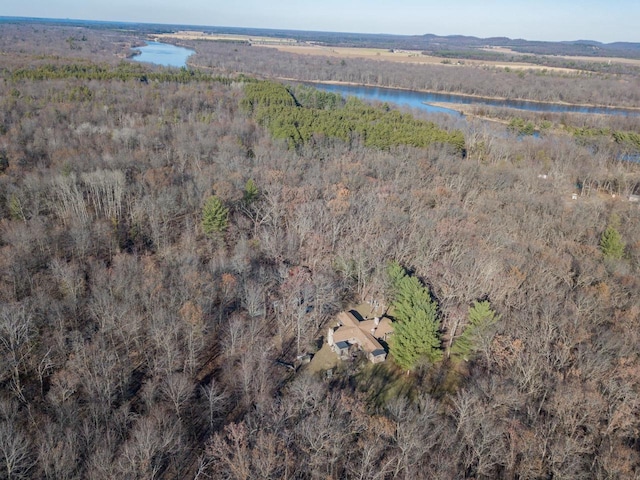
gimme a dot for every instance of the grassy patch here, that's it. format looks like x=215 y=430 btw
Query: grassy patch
x=383 y=382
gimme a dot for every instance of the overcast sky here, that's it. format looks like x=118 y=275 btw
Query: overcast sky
x=605 y=21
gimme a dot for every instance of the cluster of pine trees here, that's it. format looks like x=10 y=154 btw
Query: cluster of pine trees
x=275 y=106
x=123 y=71
x=417 y=331
x=627 y=140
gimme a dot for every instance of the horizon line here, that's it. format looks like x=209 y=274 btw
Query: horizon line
x=133 y=22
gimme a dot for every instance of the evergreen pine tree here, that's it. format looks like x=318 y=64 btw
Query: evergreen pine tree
x=481 y=319
x=215 y=216
x=250 y=192
x=611 y=243
x=416 y=333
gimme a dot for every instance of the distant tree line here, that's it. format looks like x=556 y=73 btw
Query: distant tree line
x=124 y=71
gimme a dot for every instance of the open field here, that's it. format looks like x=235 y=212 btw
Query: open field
x=194 y=35
x=403 y=56
x=619 y=60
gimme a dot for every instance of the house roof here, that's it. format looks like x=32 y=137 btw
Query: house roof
x=385 y=327
x=363 y=332
x=369 y=343
x=379 y=329
x=369 y=325
x=345 y=334
x=347 y=319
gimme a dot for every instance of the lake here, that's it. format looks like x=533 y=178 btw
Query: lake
x=163 y=54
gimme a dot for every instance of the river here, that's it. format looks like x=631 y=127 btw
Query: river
x=421 y=100
x=171 y=56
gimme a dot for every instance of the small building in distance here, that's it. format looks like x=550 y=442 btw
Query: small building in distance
x=352 y=330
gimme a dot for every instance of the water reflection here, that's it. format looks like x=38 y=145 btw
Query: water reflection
x=163 y=54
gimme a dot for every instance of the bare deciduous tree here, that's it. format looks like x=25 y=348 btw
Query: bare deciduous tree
x=16 y=336
x=15 y=450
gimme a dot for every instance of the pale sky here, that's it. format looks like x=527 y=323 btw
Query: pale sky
x=602 y=20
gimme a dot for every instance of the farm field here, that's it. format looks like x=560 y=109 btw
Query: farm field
x=580 y=58
x=195 y=35
x=290 y=45
x=403 y=56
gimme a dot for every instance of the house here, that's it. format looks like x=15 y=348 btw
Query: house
x=353 y=330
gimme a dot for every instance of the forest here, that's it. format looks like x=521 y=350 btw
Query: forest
x=173 y=242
